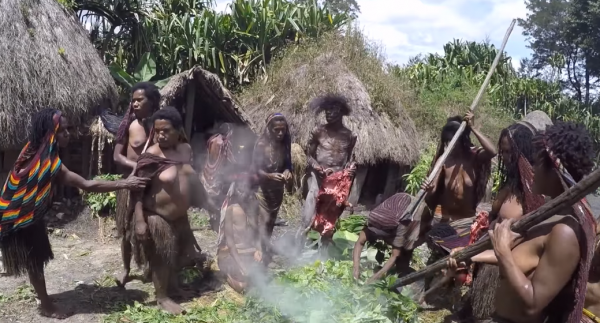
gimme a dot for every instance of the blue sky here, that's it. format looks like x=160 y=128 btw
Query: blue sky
x=405 y=28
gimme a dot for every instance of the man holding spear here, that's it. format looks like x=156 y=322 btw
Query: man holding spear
x=543 y=274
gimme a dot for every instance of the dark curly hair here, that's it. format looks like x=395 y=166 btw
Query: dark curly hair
x=171 y=114
x=450 y=128
x=521 y=144
x=572 y=144
x=42 y=123
x=328 y=101
x=150 y=91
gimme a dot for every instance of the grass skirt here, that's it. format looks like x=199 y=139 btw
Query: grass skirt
x=123 y=213
x=27 y=249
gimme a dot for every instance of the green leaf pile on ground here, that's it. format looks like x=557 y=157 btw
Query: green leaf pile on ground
x=319 y=292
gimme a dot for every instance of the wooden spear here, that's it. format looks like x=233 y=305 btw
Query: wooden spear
x=555 y=206
x=411 y=209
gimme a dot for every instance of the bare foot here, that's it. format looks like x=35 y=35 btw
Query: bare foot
x=53 y=311
x=124 y=279
x=168 y=305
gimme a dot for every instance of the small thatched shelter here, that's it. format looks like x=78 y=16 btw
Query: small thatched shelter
x=204 y=103
x=387 y=144
x=46 y=60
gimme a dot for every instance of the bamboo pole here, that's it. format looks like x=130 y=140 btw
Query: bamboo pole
x=555 y=206
x=411 y=209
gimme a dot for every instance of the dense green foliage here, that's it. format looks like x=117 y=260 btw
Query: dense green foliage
x=102 y=203
x=179 y=34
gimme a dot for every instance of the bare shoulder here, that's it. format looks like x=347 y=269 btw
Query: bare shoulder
x=347 y=132
x=154 y=150
x=316 y=132
x=564 y=235
x=185 y=147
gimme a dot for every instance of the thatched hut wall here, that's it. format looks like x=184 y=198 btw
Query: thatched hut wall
x=46 y=60
x=387 y=139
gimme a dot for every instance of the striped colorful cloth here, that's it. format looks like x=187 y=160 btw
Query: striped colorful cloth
x=25 y=197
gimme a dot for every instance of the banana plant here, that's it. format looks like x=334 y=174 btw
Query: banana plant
x=144 y=72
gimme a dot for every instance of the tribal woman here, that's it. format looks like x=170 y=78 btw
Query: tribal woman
x=237 y=252
x=132 y=136
x=545 y=271
x=163 y=237
x=220 y=156
x=460 y=186
x=515 y=199
x=272 y=162
x=27 y=197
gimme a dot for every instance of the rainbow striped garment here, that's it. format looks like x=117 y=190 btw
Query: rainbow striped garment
x=25 y=196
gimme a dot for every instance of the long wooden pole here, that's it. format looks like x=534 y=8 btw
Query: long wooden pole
x=411 y=209
x=555 y=206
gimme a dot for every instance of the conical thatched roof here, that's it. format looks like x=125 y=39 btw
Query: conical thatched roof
x=46 y=59
x=339 y=65
x=209 y=90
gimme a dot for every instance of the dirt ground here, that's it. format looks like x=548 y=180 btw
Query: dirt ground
x=86 y=261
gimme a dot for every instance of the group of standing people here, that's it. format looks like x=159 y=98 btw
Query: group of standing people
x=548 y=274
x=545 y=275
x=160 y=184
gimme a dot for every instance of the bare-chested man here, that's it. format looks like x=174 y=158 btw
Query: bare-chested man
x=543 y=275
x=160 y=223
x=132 y=136
x=330 y=151
x=237 y=250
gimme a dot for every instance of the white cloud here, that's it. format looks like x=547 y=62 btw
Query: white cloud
x=406 y=28
x=409 y=27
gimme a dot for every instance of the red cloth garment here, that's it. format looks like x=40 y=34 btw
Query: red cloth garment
x=331 y=199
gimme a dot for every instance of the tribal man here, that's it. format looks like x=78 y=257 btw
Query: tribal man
x=543 y=274
x=163 y=237
x=134 y=132
x=330 y=152
x=272 y=163
x=220 y=157
x=27 y=197
x=237 y=250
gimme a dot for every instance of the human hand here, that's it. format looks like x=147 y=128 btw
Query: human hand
x=319 y=170
x=141 y=231
x=352 y=169
x=258 y=256
x=287 y=175
x=469 y=119
x=427 y=186
x=135 y=183
x=276 y=177
x=503 y=238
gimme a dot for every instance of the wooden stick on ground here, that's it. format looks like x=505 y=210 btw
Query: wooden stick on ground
x=412 y=208
x=553 y=207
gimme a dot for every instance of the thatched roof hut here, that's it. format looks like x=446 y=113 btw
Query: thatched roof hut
x=381 y=137
x=46 y=59
x=342 y=65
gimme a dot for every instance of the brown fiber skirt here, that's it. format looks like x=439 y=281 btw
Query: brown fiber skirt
x=26 y=249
